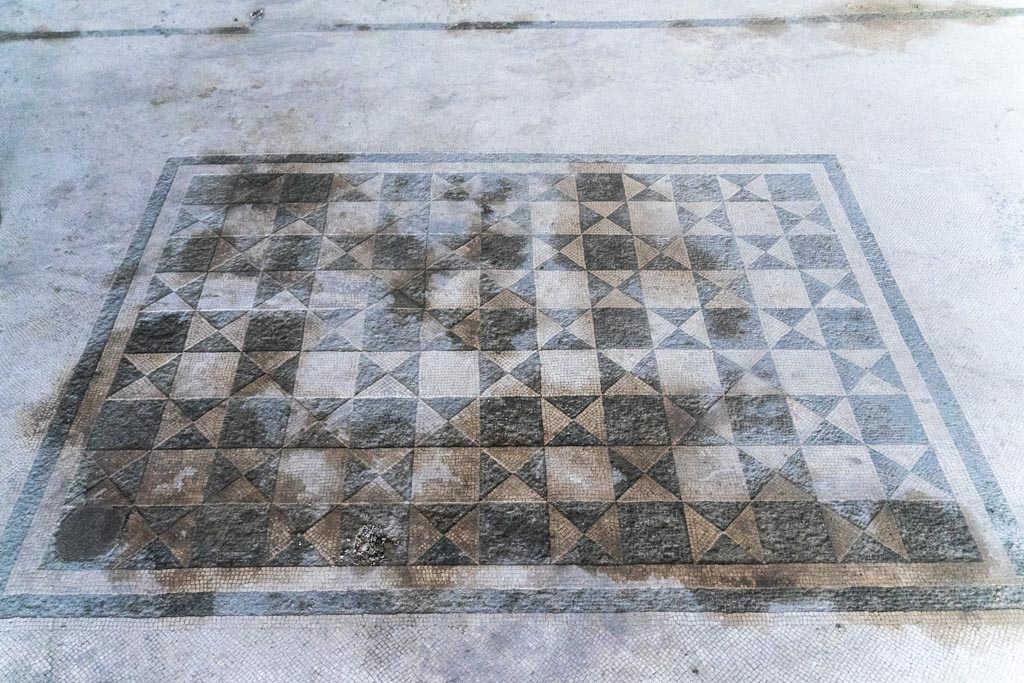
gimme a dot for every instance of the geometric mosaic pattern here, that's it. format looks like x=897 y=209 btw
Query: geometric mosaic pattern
x=471 y=383
x=506 y=368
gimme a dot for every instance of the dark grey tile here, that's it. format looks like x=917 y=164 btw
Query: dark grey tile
x=210 y=189
x=230 y=536
x=761 y=420
x=382 y=423
x=508 y=329
x=635 y=421
x=887 y=419
x=712 y=252
x=609 y=252
x=622 y=328
x=848 y=328
x=275 y=331
x=406 y=187
x=505 y=252
x=399 y=252
x=306 y=187
x=734 y=328
x=514 y=533
x=511 y=421
x=500 y=187
x=88 y=533
x=187 y=254
x=793 y=532
x=159 y=332
x=254 y=423
x=654 y=533
x=791 y=187
x=600 y=187
x=817 y=251
x=126 y=425
x=934 y=531
x=392 y=329
x=292 y=253
x=696 y=188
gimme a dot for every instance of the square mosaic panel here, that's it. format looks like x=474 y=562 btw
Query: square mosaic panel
x=480 y=374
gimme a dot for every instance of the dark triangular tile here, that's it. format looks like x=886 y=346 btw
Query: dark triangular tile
x=583 y=515
x=867 y=549
x=299 y=553
x=399 y=476
x=445 y=515
x=586 y=552
x=222 y=473
x=491 y=474
x=155 y=555
x=719 y=513
x=726 y=551
x=624 y=473
x=444 y=553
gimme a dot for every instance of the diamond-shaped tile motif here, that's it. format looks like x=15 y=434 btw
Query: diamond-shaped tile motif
x=442 y=368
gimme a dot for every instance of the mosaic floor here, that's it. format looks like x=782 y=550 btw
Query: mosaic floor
x=408 y=384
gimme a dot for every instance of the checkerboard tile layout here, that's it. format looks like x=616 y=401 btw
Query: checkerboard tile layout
x=484 y=364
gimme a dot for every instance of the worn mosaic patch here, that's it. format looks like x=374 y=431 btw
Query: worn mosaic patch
x=486 y=374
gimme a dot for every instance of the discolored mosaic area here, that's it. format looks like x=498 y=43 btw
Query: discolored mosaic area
x=445 y=367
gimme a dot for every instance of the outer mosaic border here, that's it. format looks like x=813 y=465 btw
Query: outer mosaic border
x=398 y=601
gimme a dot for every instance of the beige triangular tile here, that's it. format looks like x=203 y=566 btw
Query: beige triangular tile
x=726 y=299
x=633 y=187
x=554 y=420
x=779 y=488
x=870 y=385
x=324 y=535
x=466 y=534
x=842 y=533
x=885 y=530
x=506 y=299
x=617 y=299
x=808 y=327
x=467 y=421
x=564 y=534
x=140 y=389
x=743 y=530
x=646 y=490
x=630 y=385
x=146 y=363
x=916 y=488
x=278 y=533
x=606 y=533
x=513 y=490
x=592 y=419
x=508 y=386
x=422 y=535
x=173 y=422
x=377 y=491
x=511 y=458
x=842 y=416
x=178 y=538
x=386 y=387
x=134 y=537
x=703 y=533
x=240 y=490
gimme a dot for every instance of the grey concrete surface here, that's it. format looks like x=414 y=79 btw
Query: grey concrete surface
x=926 y=116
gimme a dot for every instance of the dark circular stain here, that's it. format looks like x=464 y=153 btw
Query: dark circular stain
x=87 y=533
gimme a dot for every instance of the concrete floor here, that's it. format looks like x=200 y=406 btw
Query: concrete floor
x=924 y=109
